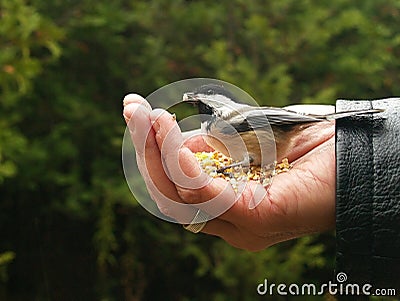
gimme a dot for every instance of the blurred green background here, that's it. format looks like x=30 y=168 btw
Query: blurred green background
x=70 y=228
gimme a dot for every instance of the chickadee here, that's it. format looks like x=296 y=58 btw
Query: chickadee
x=246 y=133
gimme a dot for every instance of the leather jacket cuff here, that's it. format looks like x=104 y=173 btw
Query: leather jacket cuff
x=368 y=193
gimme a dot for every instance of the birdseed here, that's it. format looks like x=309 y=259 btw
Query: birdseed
x=210 y=162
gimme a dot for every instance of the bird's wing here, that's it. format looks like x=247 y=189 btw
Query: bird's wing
x=265 y=117
x=311 y=109
x=246 y=119
x=328 y=112
x=279 y=116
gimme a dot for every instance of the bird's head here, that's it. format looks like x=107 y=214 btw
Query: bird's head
x=211 y=99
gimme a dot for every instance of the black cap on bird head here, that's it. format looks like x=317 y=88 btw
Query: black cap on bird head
x=214 y=89
x=208 y=98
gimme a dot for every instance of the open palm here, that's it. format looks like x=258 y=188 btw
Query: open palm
x=299 y=202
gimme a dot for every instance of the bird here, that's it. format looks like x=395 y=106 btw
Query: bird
x=253 y=135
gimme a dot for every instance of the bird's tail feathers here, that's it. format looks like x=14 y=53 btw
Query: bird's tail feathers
x=344 y=114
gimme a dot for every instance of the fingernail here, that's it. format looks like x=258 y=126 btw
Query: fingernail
x=134 y=113
x=154 y=116
x=131 y=98
x=126 y=117
x=135 y=98
x=128 y=112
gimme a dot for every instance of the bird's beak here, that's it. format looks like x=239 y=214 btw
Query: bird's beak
x=190 y=97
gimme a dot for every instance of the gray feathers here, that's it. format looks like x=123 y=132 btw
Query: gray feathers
x=224 y=110
x=253 y=118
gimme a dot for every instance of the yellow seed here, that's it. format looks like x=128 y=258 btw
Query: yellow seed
x=210 y=162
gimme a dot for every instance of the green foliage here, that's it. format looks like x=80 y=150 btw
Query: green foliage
x=28 y=41
x=65 y=210
x=241 y=271
x=5 y=259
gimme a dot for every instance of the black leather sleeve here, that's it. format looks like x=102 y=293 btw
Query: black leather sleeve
x=368 y=194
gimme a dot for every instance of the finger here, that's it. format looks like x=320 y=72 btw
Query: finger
x=139 y=126
x=213 y=196
x=179 y=162
x=194 y=140
x=196 y=143
x=148 y=156
x=136 y=114
x=135 y=98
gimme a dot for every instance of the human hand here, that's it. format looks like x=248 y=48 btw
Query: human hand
x=299 y=202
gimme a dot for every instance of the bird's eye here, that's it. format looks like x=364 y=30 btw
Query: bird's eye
x=210 y=92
